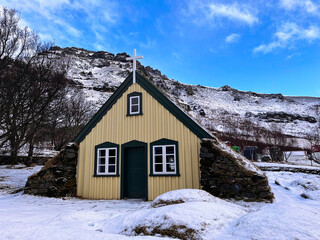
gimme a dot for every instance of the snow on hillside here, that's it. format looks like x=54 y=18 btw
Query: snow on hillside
x=293 y=215
x=99 y=74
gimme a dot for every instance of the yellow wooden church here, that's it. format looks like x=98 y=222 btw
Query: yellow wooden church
x=138 y=145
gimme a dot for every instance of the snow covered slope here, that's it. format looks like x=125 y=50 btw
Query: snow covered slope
x=98 y=74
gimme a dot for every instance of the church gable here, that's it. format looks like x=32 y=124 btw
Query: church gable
x=135 y=105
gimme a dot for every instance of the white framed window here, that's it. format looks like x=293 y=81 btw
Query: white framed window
x=164 y=159
x=135 y=105
x=106 y=161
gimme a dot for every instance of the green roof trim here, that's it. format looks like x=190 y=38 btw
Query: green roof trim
x=155 y=93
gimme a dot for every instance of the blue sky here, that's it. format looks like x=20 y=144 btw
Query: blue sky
x=270 y=46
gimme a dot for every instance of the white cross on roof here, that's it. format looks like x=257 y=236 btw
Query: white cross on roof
x=134 y=59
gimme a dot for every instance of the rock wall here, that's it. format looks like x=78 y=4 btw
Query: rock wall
x=58 y=177
x=281 y=117
x=227 y=174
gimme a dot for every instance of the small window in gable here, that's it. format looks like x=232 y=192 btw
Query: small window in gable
x=106 y=160
x=134 y=104
x=164 y=158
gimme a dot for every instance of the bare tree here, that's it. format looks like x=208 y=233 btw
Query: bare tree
x=279 y=142
x=30 y=81
x=242 y=132
x=314 y=138
x=16 y=43
x=276 y=136
x=67 y=122
x=29 y=93
x=287 y=155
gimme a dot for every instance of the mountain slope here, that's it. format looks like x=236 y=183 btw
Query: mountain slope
x=98 y=74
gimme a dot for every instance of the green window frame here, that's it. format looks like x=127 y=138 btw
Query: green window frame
x=164 y=158
x=106 y=162
x=134 y=104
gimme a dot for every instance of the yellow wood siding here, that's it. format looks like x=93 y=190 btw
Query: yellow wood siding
x=155 y=123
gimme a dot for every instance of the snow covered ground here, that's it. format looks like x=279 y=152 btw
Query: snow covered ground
x=294 y=214
x=291 y=165
x=300 y=158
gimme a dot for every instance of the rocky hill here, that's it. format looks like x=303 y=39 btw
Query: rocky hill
x=98 y=74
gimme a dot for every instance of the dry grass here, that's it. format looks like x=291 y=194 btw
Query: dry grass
x=15 y=167
x=174 y=231
x=16 y=190
x=162 y=203
x=51 y=162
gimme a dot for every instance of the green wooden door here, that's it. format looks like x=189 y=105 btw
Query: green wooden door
x=135 y=171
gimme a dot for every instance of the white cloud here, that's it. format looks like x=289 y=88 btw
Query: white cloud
x=289 y=4
x=159 y=26
x=52 y=4
x=234 y=37
x=46 y=37
x=305 y=5
x=23 y=23
x=58 y=12
x=149 y=44
x=266 y=48
x=176 y=56
x=287 y=35
x=70 y=29
x=232 y=12
x=293 y=55
x=311 y=33
x=101 y=46
x=204 y=12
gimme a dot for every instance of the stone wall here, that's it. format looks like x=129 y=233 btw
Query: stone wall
x=227 y=174
x=58 y=177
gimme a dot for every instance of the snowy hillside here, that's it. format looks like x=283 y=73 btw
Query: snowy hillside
x=98 y=74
